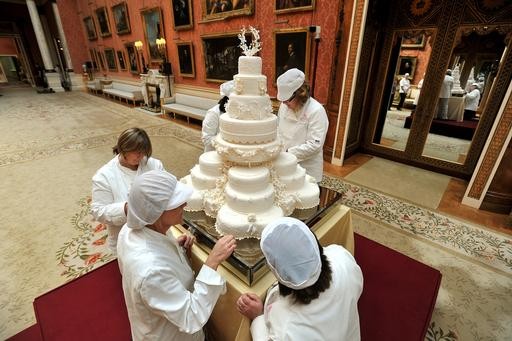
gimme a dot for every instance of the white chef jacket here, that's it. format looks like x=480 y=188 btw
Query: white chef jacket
x=333 y=316
x=303 y=134
x=420 y=85
x=471 y=100
x=110 y=187
x=446 y=88
x=210 y=127
x=405 y=85
x=164 y=301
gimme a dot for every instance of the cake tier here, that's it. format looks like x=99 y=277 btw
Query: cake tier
x=195 y=203
x=246 y=153
x=250 y=85
x=246 y=202
x=308 y=195
x=249 y=65
x=248 y=180
x=211 y=163
x=242 y=225
x=245 y=107
x=202 y=181
x=247 y=131
x=293 y=180
x=285 y=164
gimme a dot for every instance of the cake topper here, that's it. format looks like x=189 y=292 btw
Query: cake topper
x=255 y=46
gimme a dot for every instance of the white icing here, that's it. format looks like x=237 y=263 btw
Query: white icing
x=245 y=225
x=245 y=202
x=248 y=179
x=250 y=85
x=200 y=180
x=211 y=163
x=285 y=163
x=247 y=154
x=249 y=107
x=249 y=65
x=248 y=132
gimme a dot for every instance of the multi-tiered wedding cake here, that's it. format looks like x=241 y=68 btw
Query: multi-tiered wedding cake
x=248 y=181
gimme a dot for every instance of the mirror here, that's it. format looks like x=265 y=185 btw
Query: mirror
x=466 y=86
x=410 y=56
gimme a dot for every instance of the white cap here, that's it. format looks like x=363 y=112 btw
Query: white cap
x=406 y=75
x=151 y=194
x=227 y=88
x=476 y=84
x=288 y=83
x=292 y=252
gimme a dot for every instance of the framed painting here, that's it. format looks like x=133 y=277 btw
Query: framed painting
x=221 y=54
x=110 y=57
x=90 y=29
x=121 y=18
x=182 y=14
x=153 y=29
x=101 y=60
x=285 y=6
x=94 y=59
x=186 y=59
x=406 y=64
x=414 y=41
x=121 y=60
x=131 y=52
x=103 y=23
x=292 y=48
x=221 y=9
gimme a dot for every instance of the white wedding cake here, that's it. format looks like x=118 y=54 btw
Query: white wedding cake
x=248 y=181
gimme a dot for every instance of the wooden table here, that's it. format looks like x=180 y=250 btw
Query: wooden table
x=226 y=323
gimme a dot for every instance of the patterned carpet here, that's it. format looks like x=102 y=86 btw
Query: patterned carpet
x=52 y=145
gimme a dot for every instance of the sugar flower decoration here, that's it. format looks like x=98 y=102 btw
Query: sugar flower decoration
x=255 y=46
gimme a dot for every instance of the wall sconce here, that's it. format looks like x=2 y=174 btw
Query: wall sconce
x=138 y=46
x=160 y=43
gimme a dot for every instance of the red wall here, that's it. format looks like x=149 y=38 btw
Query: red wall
x=7 y=46
x=264 y=19
x=423 y=57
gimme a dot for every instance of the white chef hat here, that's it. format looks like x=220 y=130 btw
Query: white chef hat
x=476 y=84
x=292 y=252
x=151 y=194
x=227 y=88
x=406 y=75
x=288 y=83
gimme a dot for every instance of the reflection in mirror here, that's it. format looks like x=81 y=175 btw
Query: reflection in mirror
x=410 y=56
x=466 y=85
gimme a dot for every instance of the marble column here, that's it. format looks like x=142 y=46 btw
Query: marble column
x=41 y=41
x=62 y=36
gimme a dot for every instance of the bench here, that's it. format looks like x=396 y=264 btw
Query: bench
x=122 y=91
x=95 y=86
x=187 y=105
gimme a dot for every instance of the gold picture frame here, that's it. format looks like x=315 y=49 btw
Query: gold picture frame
x=133 y=58
x=414 y=42
x=217 y=10
x=90 y=28
x=182 y=17
x=153 y=29
x=121 y=18
x=221 y=52
x=103 y=22
x=110 y=58
x=186 y=59
x=287 y=6
x=292 y=50
x=121 y=60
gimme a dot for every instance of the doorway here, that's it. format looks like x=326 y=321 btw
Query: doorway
x=424 y=70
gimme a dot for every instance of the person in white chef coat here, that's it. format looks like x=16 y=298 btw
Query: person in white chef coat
x=112 y=182
x=210 y=127
x=302 y=123
x=317 y=291
x=164 y=300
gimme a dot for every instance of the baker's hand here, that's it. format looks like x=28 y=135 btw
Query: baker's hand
x=221 y=251
x=250 y=305
x=186 y=240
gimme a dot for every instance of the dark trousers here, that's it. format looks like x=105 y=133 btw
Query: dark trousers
x=469 y=114
x=402 y=100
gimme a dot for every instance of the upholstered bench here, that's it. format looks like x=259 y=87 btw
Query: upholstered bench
x=187 y=105
x=124 y=91
x=95 y=86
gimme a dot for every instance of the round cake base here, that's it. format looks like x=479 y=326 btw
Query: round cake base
x=243 y=225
